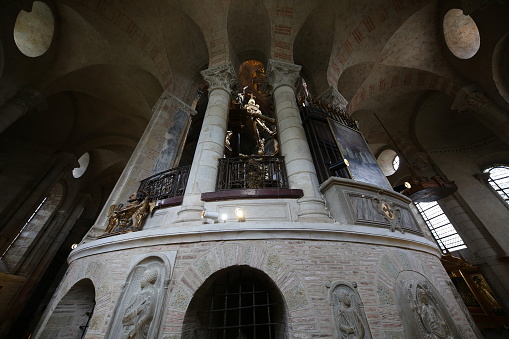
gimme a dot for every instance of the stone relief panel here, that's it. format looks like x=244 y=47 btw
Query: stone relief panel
x=423 y=312
x=348 y=311
x=138 y=312
x=382 y=211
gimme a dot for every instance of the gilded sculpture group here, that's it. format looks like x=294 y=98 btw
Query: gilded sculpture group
x=128 y=219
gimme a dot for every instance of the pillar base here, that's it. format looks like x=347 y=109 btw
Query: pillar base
x=313 y=210
x=189 y=213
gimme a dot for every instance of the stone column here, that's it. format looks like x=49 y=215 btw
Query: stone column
x=473 y=99
x=148 y=155
x=293 y=143
x=26 y=100
x=210 y=147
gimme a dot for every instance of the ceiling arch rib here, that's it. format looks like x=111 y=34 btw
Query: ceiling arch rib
x=118 y=27
x=366 y=38
x=249 y=31
x=313 y=45
x=385 y=82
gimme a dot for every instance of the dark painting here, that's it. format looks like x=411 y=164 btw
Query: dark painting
x=362 y=164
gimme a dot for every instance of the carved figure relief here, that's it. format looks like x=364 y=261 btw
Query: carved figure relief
x=349 y=317
x=422 y=310
x=128 y=219
x=137 y=312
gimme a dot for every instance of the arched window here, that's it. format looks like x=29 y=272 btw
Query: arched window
x=441 y=228
x=235 y=303
x=35 y=223
x=499 y=180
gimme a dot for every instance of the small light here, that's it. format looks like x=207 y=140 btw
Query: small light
x=240 y=215
x=407 y=184
x=224 y=217
x=346 y=162
x=210 y=215
x=73 y=246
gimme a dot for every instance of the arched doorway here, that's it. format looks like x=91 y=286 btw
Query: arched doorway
x=238 y=303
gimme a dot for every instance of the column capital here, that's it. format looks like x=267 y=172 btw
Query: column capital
x=471 y=97
x=334 y=98
x=282 y=74
x=29 y=100
x=220 y=77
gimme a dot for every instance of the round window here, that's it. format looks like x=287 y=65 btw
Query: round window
x=461 y=34
x=388 y=161
x=83 y=161
x=33 y=31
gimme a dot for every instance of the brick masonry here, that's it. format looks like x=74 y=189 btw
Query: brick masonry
x=301 y=270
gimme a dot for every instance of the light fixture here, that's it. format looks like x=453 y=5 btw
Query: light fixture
x=224 y=216
x=239 y=213
x=73 y=246
x=210 y=215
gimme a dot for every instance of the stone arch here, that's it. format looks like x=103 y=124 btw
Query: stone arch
x=230 y=292
x=423 y=311
x=72 y=314
x=312 y=46
x=397 y=264
x=256 y=257
x=244 y=43
x=141 y=302
x=500 y=68
x=394 y=81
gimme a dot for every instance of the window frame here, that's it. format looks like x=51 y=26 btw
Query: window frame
x=433 y=227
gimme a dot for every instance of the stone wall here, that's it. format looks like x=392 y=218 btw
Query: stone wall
x=303 y=270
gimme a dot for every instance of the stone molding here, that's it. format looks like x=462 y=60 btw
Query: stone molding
x=29 y=100
x=255 y=231
x=471 y=97
x=220 y=77
x=282 y=74
x=334 y=98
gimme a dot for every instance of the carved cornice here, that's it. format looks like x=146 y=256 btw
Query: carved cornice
x=334 y=98
x=220 y=77
x=29 y=100
x=282 y=74
x=471 y=97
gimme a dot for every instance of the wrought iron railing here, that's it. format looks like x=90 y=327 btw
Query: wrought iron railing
x=167 y=184
x=251 y=172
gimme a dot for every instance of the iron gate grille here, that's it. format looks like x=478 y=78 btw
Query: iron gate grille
x=167 y=184
x=240 y=308
x=251 y=172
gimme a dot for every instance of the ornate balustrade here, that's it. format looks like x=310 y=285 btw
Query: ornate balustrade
x=251 y=173
x=167 y=184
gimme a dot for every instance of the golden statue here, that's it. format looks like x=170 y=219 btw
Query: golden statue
x=128 y=219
